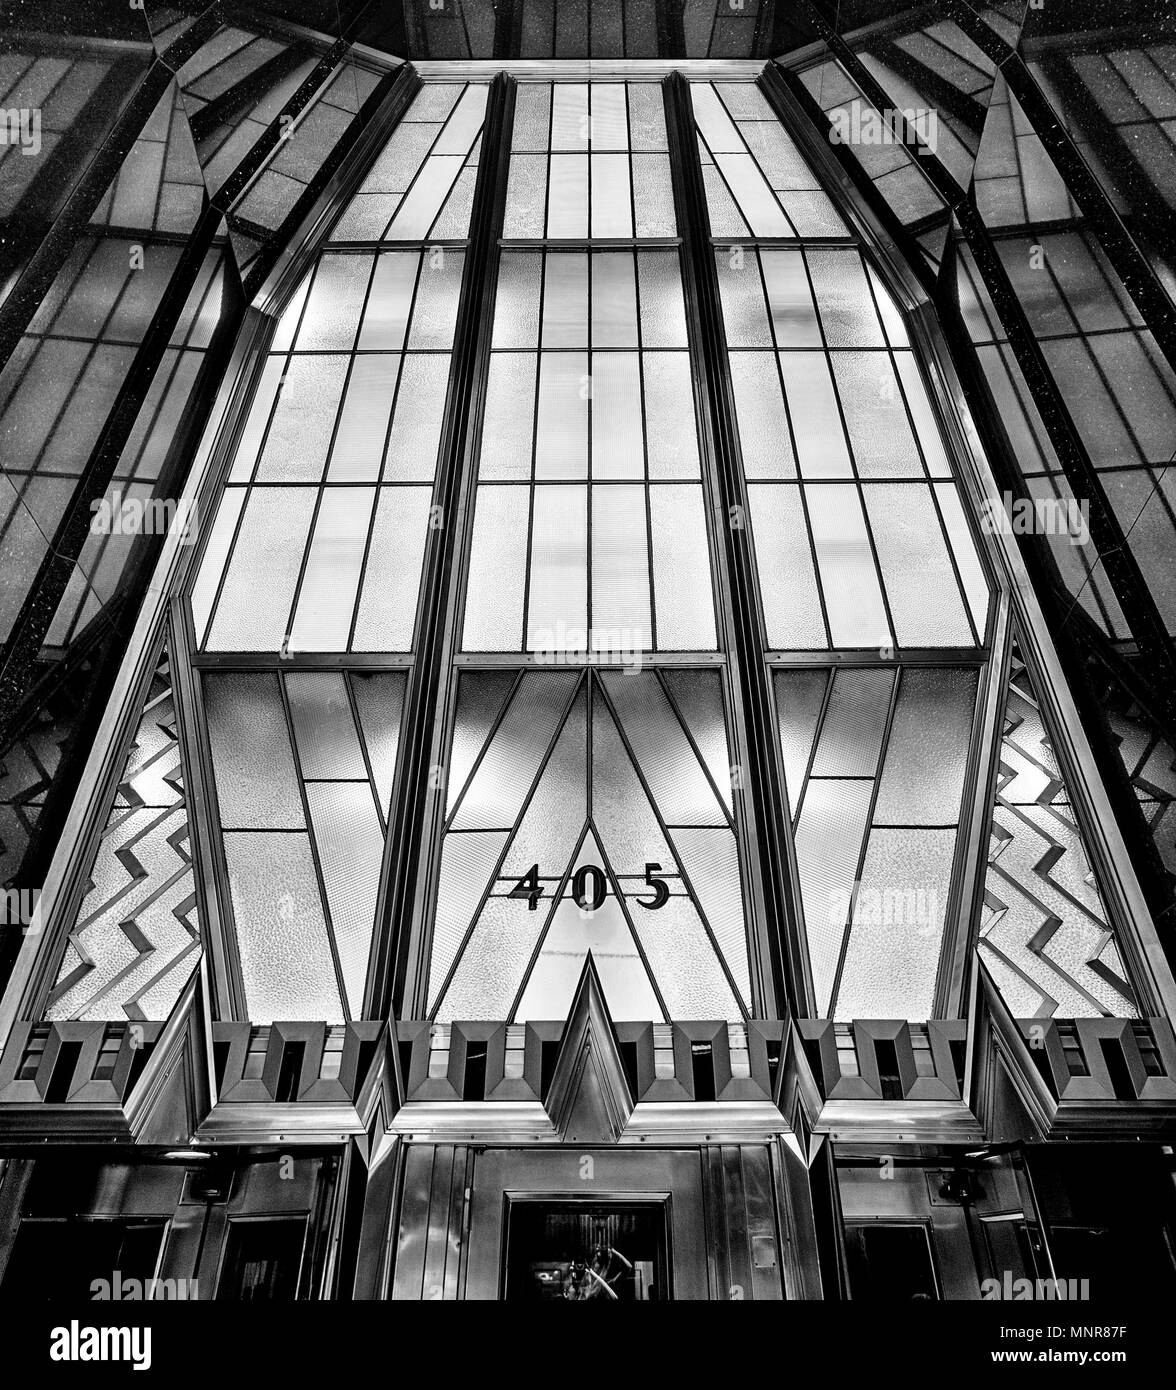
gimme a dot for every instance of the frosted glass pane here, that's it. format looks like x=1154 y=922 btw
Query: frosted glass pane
x=849 y=581
x=569 y=116
x=509 y=421
x=526 y=197
x=653 y=196
x=792 y=605
x=663 y=312
x=610 y=123
x=565 y=300
x=304 y=418
x=698 y=696
x=467 y=866
x=829 y=839
x=561 y=436
x=756 y=200
x=790 y=301
x=212 y=563
x=925 y=423
x=331 y=317
x=434 y=314
x=712 y=862
x=684 y=962
x=326 y=601
x=745 y=313
x=379 y=700
x=516 y=305
x=681 y=569
x=647 y=117
x=896 y=938
x=324 y=729
x=843 y=295
x=266 y=560
x=392 y=574
x=501 y=781
x=800 y=696
x=926 y=757
x=620 y=569
x=716 y=126
x=612 y=199
x=614 y=300
x=567 y=203
x=820 y=440
x=680 y=788
x=925 y=599
x=385 y=318
x=671 y=431
x=358 y=450
x=257 y=420
x=465 y=122
x=421 y=204
x=765 y=438
x=855 y=720
x=617 y=450
x=558 y=615
x=256 y=782
x=350 y=847
x=416 y=420
x=967 y=556
x=497 y=570
x=879 y=431
x=286 y=960
x=532 y=118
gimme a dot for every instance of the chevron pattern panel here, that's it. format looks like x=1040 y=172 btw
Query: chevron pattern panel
x=136 y=939
x=1044 y=934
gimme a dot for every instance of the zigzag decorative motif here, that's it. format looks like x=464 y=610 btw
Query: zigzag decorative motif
x=1044 y=935
x=136 y=939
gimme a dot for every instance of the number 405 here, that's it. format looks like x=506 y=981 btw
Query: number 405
x=590 y=887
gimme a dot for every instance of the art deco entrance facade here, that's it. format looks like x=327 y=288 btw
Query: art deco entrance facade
x=593 y=805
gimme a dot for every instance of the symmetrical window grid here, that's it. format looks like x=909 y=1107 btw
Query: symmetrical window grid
x=589 y=160
x=571 y=798
x=589 y=810
x=590 y=529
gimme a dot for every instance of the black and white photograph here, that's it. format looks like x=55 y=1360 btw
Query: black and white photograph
x=587 y=680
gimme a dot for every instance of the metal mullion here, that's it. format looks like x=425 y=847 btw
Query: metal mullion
x=849 y=449
x=648 y=481
x=867 y=835
x=511 y=832
x=312 y=839
x=777 y=957
x=396 y=976
x=244 y=95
